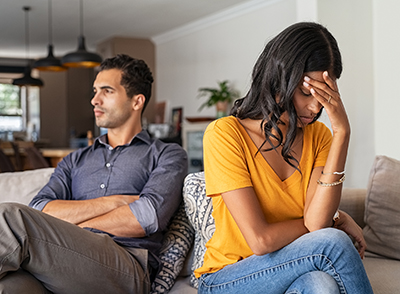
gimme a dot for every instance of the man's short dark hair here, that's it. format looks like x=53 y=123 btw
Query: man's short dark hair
x=136 y=75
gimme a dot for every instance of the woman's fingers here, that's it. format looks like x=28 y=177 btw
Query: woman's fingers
x=326 y=93
x=347 y=224
x=327 y=89
x=322 y=97
x=330 y=82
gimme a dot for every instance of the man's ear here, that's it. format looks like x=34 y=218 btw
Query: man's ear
x=138 y=102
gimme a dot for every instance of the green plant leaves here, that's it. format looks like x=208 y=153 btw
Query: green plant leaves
x=223 y=93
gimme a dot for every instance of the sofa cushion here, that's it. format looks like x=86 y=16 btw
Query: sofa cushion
x=353 y=202
x=383 y=273
x=176 y=244
x=382 y=208
x=199 y=209
x=22 y=186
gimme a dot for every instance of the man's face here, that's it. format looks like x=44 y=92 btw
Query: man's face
x=112 y=106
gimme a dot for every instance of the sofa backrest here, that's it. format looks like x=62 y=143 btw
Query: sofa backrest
x=22 y=186
x=353 y=202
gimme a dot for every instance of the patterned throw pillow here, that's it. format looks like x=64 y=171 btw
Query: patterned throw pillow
x=198 y=209
x=176 y=244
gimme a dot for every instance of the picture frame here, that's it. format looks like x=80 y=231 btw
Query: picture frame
x=176 y=122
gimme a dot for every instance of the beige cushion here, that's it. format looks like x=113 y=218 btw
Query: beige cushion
x=21 y=187
x=382 y=208
x=353 y=202
x=383 y=274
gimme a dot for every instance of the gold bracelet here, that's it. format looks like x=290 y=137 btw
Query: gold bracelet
x=334 y=173
x=341 y=180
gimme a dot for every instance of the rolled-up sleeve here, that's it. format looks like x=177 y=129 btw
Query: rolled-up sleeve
x=162 y=193
x=146 y=215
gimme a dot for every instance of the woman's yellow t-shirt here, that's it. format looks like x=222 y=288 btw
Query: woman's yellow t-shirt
x=231 y=162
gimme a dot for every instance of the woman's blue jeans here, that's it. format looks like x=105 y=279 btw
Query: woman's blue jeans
x=320 y=262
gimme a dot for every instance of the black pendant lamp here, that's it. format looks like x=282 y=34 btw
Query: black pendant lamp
x=27 y=79
x=81 y=57
x=50 y=63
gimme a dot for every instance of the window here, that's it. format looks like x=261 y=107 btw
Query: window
x=10 y=108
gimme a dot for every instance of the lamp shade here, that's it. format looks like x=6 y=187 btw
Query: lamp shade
x=27 y=79
x=81 y=57
x=50 y=63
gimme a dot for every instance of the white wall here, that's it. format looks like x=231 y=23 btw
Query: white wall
x=225 y=46
x=387 y=77
x=351 y=23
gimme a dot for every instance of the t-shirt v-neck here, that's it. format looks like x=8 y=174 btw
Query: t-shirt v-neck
x=264 y=162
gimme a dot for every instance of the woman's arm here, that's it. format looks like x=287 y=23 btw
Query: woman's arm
x=323 y=198
x=261 y=236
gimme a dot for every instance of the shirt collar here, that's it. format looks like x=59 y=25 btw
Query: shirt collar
x=142 y=136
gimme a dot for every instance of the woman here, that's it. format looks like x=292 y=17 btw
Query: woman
x=275 y=176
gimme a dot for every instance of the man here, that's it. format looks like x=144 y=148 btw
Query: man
x=97 y=226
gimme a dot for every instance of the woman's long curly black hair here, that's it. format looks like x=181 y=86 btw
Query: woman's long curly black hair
x=300 y=48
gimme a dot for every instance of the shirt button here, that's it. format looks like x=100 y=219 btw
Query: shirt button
x=102 y=186
x=110 y=148
x=108 y=164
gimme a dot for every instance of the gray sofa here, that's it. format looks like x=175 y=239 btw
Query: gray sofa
x=375 y=208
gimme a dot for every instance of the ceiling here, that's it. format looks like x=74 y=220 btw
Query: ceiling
x=102 y=19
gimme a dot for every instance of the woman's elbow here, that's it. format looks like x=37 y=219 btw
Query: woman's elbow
x=261 y=246
x=315 y=225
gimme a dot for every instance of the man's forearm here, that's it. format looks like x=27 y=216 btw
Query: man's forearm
x=78 y=211
x=119 y=222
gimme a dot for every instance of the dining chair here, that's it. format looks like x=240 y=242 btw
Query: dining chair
x=5 y=163
x=17 y=156
x=35 y=158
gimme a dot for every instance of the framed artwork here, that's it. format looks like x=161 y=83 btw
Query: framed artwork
x=160 y=112
x=176 y=122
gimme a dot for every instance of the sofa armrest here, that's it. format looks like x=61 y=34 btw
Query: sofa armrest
x=353 y=202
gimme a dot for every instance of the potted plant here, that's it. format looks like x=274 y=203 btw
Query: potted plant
x=220 y=97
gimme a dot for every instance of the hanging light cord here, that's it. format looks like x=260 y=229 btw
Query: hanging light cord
x=27 y=80
x=50 y=25
x=81 y=16
x=26 y=9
